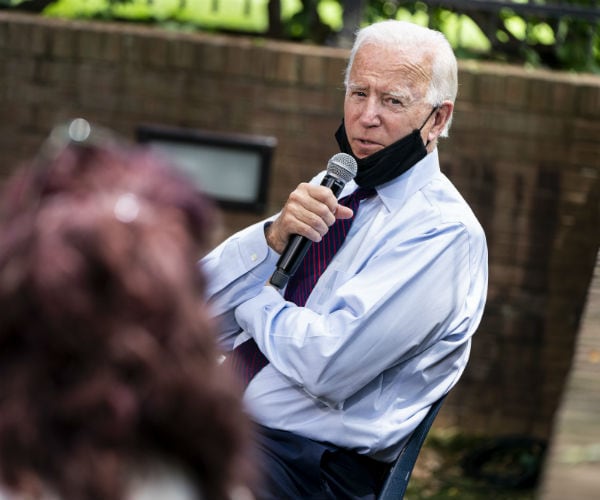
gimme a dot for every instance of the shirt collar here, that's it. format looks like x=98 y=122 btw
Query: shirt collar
x=395 y=193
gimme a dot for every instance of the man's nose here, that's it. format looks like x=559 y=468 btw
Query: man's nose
x=370 y=115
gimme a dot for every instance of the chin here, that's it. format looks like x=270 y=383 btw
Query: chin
x=363 y=150
x=361 y=153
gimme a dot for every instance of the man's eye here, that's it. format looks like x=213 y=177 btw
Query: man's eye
x=393 y=101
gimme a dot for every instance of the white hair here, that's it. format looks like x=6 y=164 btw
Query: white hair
x=421 y=41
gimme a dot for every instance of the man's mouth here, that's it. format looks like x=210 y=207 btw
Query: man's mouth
x=365 y=147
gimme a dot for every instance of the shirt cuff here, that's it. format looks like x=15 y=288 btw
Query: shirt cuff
x=256 y=256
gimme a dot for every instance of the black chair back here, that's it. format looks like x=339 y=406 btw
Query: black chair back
x=397 y=480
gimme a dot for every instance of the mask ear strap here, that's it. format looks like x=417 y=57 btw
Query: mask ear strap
x=435 y=108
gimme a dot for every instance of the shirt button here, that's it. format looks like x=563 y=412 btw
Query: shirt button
x=253 y=257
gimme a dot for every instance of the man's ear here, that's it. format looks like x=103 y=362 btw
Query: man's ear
x=441 y=118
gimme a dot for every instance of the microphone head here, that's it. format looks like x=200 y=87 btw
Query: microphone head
x=343 y=166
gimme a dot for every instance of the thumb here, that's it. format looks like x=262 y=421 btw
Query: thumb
x=343 y=212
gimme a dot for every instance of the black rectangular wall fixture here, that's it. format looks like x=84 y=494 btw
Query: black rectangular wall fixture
x=233 y=169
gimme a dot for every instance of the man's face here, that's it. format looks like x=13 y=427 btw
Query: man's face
x=385 y=98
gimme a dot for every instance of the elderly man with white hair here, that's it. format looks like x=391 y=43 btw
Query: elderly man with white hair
x=354 y=351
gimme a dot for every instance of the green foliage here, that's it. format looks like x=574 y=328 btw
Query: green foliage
x=566 y=42
x=196 y=14
x=563 y=42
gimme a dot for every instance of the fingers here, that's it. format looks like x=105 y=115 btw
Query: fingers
x=312 y=207
x=309 y=211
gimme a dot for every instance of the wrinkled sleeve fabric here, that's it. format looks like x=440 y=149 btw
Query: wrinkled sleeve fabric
x=237 y=270
x=402 y=301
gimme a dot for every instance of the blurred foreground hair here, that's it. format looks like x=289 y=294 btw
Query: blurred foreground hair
x=108 y=359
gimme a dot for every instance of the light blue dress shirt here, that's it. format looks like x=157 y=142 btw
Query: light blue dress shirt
x=385 y=332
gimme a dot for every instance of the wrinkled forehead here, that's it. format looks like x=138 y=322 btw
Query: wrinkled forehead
x=402 y=67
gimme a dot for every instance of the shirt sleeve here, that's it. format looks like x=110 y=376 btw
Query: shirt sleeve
x=404 y=299
x=236 y=271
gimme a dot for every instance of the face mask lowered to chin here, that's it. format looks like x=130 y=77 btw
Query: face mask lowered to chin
x=388 y=163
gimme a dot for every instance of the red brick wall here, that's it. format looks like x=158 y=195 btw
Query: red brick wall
x=571 y=465
x=524 y=150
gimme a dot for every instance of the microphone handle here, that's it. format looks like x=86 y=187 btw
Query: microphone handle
x=297 y=247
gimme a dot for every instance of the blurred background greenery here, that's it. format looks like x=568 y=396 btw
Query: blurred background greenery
x=554 y=34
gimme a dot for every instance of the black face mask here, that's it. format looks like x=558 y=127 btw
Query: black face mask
x=391 y=161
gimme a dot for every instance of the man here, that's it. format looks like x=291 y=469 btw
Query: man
x=386 y=330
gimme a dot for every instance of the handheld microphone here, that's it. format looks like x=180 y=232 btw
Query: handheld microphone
x=341 y=168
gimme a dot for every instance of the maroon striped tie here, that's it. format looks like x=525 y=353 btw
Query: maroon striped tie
x=247 y=359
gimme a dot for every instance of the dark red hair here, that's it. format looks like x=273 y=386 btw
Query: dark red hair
x=107 y=352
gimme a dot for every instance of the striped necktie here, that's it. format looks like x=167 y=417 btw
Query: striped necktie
x=320 y=254
x=247 y=359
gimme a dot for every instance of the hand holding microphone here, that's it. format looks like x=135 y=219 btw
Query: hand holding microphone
x=304 y=209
